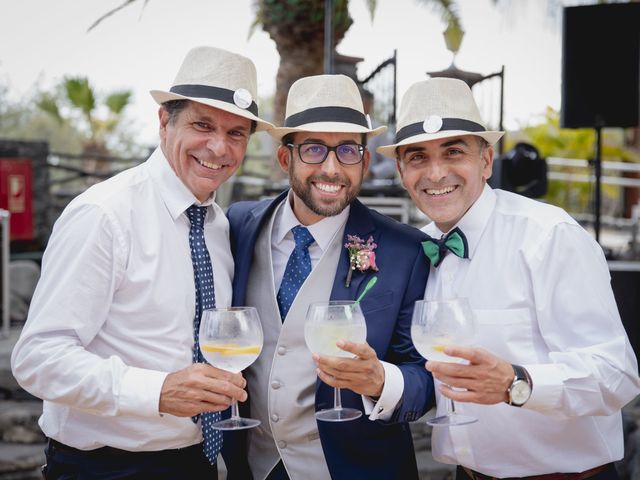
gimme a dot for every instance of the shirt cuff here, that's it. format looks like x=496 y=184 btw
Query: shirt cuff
x=546 y=394
x=140 y=392
x=392 y=391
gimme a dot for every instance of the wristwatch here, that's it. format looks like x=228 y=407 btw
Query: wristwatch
x=520 y=389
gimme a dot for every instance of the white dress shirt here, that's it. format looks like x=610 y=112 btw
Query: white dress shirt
x=540 y=289
x=282 y=244
x=113 y=312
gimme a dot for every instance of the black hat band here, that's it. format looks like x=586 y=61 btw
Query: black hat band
x=447 y=124
x=213 y=93
x=326 y=114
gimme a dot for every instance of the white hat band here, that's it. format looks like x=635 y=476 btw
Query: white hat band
x=213 y=93
x=326 y=114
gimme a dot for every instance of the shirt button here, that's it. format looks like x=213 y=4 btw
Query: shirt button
x=275 y=384
x=282 y=350
x=282 y=444
x=274 y=417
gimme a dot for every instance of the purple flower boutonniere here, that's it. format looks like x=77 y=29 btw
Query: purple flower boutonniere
x=361 y=255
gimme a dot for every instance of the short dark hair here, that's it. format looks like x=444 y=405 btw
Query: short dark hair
x=174 y=107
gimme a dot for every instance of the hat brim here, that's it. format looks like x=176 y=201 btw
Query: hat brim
x=326 y=127
x=390 y=150
x=161 y=96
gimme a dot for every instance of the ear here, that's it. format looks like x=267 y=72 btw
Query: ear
x=399 y=168
x=366 y=159
x=284 y=158
x=163 y=117
x=487 y=158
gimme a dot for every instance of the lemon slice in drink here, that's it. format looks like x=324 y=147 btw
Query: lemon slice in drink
x=231 y=349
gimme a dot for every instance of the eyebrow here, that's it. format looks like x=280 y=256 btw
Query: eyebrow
x=208 y=119
x=317 y=140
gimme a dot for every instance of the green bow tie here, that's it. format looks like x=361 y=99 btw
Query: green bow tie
x=454 y=241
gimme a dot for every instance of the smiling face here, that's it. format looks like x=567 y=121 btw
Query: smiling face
x=324 y=189
x=204 y=145
x=446 y=176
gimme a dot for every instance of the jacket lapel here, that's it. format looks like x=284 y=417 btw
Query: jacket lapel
x=361 y=224
x=246 y=242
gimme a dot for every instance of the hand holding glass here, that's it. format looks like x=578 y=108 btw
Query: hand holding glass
x=435 y=325
x=231 y=339
x=326 y=323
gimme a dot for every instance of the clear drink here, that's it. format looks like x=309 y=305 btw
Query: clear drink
x=322 y=337
x=232 y=357
x=432 y=347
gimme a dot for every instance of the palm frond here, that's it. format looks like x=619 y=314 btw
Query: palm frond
x=116 y=102
x=48 y=104
x=80 y=94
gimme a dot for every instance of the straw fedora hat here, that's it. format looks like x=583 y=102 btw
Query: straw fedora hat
x=217 y=78
x=438 y=108
x=325 y=103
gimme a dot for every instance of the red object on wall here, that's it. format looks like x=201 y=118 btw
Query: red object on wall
x=16 y=196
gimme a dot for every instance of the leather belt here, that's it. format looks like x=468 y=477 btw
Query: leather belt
x=111 y=452
x=549 y=476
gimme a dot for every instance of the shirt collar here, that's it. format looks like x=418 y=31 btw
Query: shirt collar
x=322 y=231
x=175 y=194
x=473 y=222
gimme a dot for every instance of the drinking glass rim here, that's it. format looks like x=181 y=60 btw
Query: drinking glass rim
x=330 y=303
x=228 y=309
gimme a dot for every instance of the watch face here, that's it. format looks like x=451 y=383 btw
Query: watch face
x=520 y=392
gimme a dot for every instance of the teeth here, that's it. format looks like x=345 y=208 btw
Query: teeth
x=441 y=191
x=327 y=187
x=212 y=166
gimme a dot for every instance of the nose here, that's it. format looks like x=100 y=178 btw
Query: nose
x=217 y=144
x=436 y=170
x=331 y=165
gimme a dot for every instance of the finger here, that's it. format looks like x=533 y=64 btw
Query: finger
x=341 y=375
x=328 y=379
x=225 y=389
x=340 y=364
x=360 y=350
x=217 y=373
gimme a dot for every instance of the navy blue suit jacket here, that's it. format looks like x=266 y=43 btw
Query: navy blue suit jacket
x=361 y=448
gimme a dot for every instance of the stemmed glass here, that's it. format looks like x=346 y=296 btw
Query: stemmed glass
x=326 y=323
x=231 y=339
x=435 y=325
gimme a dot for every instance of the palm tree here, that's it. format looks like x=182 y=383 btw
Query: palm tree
x=80 y=100
x=80 y=106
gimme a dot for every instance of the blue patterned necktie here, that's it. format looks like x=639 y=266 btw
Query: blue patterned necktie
x=205 y=298
x=298 y=268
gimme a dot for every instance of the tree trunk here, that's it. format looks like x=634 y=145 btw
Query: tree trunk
x=297 y=28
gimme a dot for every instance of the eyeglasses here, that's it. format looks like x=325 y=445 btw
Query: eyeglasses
x=315 y=153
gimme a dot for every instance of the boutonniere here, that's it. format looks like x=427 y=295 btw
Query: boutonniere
x=361 y=255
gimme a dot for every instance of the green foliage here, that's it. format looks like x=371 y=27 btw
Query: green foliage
x=75 y=103
x=553 y=141
x=48 y=115
x=80 y=94
x=117 y=101
x=47 y=103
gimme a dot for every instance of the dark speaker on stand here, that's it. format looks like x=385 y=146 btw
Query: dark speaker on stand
x=601 y=74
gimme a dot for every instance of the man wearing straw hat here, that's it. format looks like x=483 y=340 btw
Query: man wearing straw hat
x=111 y=338
x=292 y=251
x=553 y=365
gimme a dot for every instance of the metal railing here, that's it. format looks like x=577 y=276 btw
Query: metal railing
x=4 y=272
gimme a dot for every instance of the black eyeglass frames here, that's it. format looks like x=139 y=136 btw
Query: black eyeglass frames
x=314 y=153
